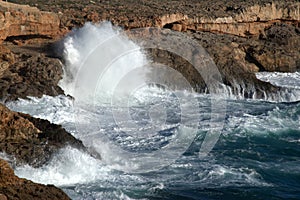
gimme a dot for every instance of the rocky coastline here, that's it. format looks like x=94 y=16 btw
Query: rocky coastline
x=241 y=37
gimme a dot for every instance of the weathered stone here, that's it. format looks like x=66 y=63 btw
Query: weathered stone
x=22 y=20
x=3 y=197
x=32 y=141
x=262 y=49
x=242 y=19
x=278 y=50
x=250 y=21
x=32 y=75
x=177 y=27
x=241 y=37
x=15 y=188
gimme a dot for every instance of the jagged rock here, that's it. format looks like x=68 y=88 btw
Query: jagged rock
x=30 y=75
x=237 y=73
x=244 y=18
x=6 y=58
x=23 y=74
x=241 y=37
x=278 y=50
x=15 y=188
x=25 y=21
x=6 y=55
x=266 y=27
x=171 y=18
x=32 y=141
x=250 y=21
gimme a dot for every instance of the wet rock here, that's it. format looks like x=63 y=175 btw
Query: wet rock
x=230 y=59
x=30 y=75
x=237 y=66
x=265 y=35
x=15 y=188
x=32 y=141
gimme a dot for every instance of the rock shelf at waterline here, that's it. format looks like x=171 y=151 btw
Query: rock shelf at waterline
x=273 y=46
x=241 y=39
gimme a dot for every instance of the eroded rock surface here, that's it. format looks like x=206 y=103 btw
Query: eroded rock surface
x=28 y=73
x=15 y=188
x=238 y=18
x=242 y=38
x=32 y=141
x=25 y=21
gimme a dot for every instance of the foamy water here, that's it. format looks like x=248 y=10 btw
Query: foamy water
x=288 y=80
x=257 y=151
x=97 y=57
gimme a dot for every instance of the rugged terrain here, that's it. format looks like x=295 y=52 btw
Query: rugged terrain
x=12 y=187
x=241 y=37
x=32 y=141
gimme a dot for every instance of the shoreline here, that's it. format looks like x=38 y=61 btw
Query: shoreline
x=241 y=39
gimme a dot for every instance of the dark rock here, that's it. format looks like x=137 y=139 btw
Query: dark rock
x=15 y=188
x=240 y=38
x=31 y=75
x=278 y=50
x=32 y=141
x=282 y=34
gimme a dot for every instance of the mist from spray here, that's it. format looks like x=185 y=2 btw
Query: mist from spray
x=93 y=65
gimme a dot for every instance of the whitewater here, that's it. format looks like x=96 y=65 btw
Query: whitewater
x=153 y=139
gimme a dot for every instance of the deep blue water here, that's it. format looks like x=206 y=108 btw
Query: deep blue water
x=153 y=140
x=256 y=157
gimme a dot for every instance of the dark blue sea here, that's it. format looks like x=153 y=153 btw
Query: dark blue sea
x=257 y=156
x=157 y=143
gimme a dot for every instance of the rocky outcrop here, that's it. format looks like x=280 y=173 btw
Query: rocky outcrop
x=25 y=21
x=25 y=73
x=238 y=58
x=32 y=141
x=238 y=18
x=242 y=38
x=250 y=21
x=6 y=59
x=237 y=73
x=277 y=50
x=15 y=188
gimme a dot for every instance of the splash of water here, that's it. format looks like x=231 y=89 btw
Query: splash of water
x=101 y=44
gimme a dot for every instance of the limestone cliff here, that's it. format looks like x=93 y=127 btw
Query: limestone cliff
x=23 y=20
x=250 y=21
